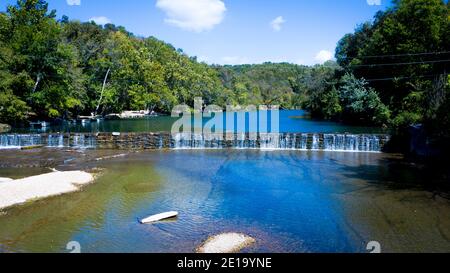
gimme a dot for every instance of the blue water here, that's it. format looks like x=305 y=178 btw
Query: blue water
x=284 y=200
x=291 y=121
x=288 y=201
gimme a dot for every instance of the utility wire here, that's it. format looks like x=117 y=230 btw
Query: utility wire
x=406 y=63
x=403 y=78
x=406 y=54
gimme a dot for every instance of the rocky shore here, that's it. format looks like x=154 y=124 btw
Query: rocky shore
x=16 y=192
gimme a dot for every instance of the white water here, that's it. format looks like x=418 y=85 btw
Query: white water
x=318 y=142
x=18 y=141
x=12 y=141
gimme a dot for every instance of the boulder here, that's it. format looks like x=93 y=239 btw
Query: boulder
x=226 y=243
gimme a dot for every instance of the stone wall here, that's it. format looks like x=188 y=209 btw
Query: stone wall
x=146 y=141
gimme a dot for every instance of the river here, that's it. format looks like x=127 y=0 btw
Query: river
x=317 y=199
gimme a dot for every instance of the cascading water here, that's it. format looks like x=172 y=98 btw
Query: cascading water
x=160 y=142
x=355 y=143
x=315 y=142
x=83 y=142
x=318 y=142
x=18 y=141
x=56 y=141
x=303 y=141
x=52 y=141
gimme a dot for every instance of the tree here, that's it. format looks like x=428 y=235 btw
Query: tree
x=322 y=96
x=403 y=54
x=361 y=104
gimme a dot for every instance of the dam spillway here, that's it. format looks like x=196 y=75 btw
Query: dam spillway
x=282 y=141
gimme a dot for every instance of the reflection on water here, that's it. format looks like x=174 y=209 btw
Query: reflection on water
x=289 y=201
x=291 y=121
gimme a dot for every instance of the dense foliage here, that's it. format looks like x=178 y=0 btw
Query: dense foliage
x=405 y=55
x=60 y=68
x=385 y=74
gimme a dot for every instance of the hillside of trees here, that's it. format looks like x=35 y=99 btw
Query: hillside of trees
x=392 y=71
x=52 y=68
x=404 y=54
x=57 y=68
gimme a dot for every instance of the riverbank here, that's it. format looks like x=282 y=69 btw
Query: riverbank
x=16 y=192
x=341 y=201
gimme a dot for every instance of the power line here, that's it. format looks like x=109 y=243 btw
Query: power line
x=403 y=78
x=405 y=54
x=406 y=63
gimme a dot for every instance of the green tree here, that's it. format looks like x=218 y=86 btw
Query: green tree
x=361 y=104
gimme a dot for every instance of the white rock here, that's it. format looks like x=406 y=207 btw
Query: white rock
x=226 y=243
x=4 y=179
x=15 y=192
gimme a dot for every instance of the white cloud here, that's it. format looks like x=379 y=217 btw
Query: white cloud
x=193 y=15
x=374 y=2
x=323 y=56
x=73 y=2
x=277 y=23
x=100 y=20
x=235 y=60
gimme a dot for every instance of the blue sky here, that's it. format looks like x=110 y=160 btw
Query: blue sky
x=233 y=31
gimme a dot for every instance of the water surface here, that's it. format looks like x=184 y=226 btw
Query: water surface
x=291 y=121
x=290 y=201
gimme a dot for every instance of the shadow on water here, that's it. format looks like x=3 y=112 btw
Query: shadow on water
x=396 y=173
x=401 y=204
x=48 y=225
x=290 y=201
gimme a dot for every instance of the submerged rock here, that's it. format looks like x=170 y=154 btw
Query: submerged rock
x=226 y=243
x=4 y=128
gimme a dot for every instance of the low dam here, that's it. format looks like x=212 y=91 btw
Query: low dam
x=283 y=141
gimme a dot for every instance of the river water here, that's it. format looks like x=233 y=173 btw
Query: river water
x=290 y=121
x=289 y=201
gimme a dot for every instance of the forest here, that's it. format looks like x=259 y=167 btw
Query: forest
x=385 y=74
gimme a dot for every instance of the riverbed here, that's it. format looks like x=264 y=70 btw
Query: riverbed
x=289 y=201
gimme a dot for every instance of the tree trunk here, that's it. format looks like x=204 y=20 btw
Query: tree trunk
x=436 y=95
x=101 y=94
x=38 y=80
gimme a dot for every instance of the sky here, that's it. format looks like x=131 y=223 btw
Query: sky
x=233 y=31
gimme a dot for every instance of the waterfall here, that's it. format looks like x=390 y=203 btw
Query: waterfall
x=18 y=141
x=304 y=142
x=56 y=141
x=78 y=141
x=356 y=143
x=182 y=141
x=316 y=142
x=81 y=141
x=160 y=142
x=267 y=141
